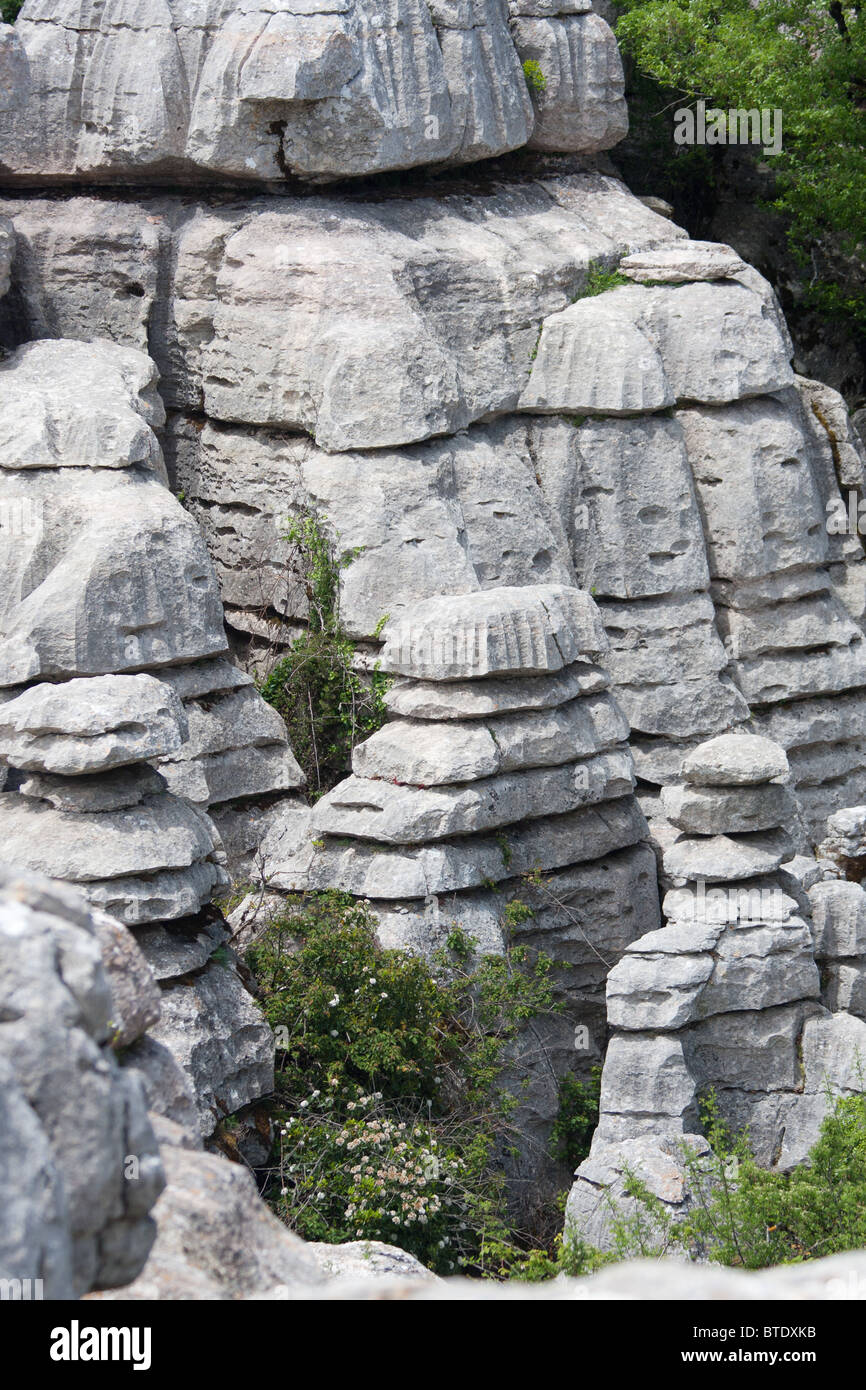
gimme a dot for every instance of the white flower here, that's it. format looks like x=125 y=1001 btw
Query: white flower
x=333 y=1035
x=332 y=1003
x=284 y=1191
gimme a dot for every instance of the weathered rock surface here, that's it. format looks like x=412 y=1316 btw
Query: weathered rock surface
x=163 y=832
x=114 y=790
x=267 y=92
x=82 y=800
x=215 y=1238
x=486 y=444
x=83 y=726
x=502 y=632
x=135 y=996
x=427 y=753
x=482 y=699
x=14 y=70
x=693 y=260
x=734 y=350
x=304 y=318
x=725 y=996
x=7 y=246
x=367 y=809
x=212 y=1027
x=82 y=405
x=581 y=105
x=75 y=1123
x=735 y=761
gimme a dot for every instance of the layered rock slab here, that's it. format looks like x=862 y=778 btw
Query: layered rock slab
x=270 y=92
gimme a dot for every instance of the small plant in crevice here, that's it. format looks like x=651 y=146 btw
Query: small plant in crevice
x=599 y=281
x=327 y=705
x=535 y=78
x=390 y=1102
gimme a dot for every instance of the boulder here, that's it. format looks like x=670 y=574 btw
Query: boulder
x=86 y=726
x=725 y=810
x=735 y=760
x=92 y=1163
x=79 y=405
x=215 y=1238
x=693 y=260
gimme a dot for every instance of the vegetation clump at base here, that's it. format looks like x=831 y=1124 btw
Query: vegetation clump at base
x=391 y=1107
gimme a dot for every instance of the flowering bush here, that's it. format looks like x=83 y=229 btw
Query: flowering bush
x=389 y=1107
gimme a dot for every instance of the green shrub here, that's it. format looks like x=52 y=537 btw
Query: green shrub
x=9 y=10
x=390 y=1103
x=535 y=78
x=577 y=1118
x=327 y=706
x=747 y=1216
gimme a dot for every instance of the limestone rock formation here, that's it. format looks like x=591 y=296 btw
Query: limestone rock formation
x=603 y=537
x=449 y=805
x=268 y=92
x=391 y=331
x=122 y=719
x=73 y=1122
x=725 y=997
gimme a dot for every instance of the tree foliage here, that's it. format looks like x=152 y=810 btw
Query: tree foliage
x=803 y=57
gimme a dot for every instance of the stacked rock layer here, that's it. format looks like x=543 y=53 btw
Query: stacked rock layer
x=121 y=721
x=261 y=92
x=393 y=365
x=505 y=756
x=725 y=998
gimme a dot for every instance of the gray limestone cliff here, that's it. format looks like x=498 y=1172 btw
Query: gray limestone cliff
x=599 y=532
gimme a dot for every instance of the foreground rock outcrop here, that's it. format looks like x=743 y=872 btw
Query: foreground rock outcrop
x=79 y=1162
